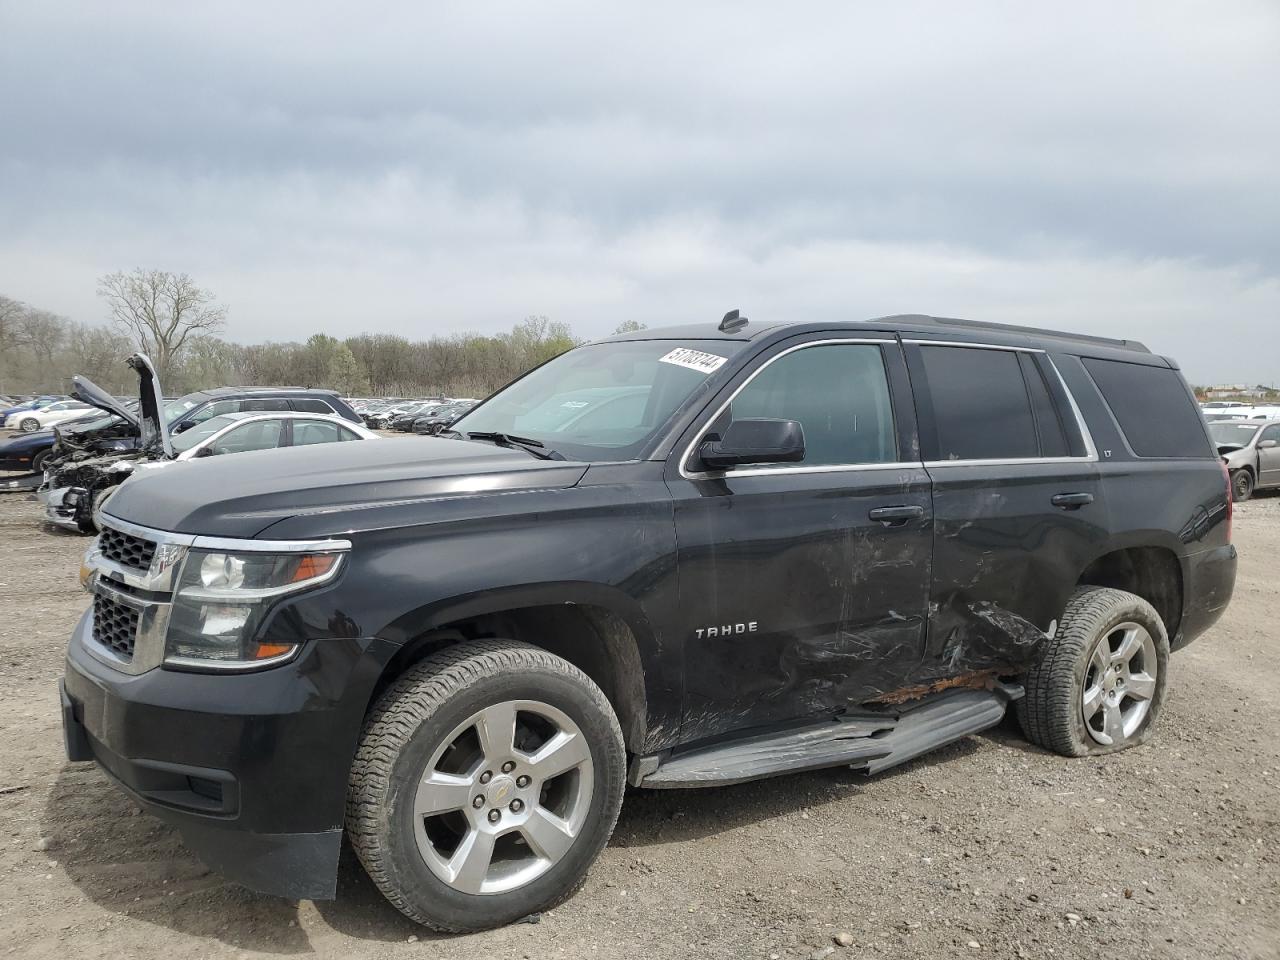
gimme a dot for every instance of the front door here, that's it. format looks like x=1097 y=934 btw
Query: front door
x=803 y=587
x=1269 y=457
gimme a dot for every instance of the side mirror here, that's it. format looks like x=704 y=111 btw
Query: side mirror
x=755 y=441
x=207 y=451
x=1268 y=444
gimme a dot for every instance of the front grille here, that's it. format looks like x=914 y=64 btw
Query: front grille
x=115 y=625
x=125 y=549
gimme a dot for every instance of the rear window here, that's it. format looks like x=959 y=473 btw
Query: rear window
x=1153 y=407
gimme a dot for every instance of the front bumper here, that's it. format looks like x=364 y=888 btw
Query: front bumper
x=63 y=507
x=250 y=768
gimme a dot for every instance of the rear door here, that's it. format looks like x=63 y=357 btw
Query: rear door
x=1016 y=501
x=796 y=600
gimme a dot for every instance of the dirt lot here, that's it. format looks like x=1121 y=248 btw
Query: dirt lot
x=985 y=848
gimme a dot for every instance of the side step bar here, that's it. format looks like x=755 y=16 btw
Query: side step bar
x=867 y=742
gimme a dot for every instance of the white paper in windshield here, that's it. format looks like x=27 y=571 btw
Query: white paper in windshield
x=694 y=360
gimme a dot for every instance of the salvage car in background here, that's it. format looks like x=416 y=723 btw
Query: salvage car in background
x=442 y=417
x=76 y=508
x=1251 y=450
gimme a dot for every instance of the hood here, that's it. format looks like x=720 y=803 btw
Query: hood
x=155 y=432
x=86 y=391
x=241 y=494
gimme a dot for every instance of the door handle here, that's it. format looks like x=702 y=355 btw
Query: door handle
x=896 y=515
x=1072 y=501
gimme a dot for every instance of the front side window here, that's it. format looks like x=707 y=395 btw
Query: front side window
x=981 y=407
x=839 y=393
x=604 y=401
x=216 y=409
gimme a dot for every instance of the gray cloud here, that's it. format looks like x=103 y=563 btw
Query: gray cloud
x=1101 y=167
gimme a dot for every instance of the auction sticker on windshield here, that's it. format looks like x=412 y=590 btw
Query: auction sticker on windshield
x=694 y=360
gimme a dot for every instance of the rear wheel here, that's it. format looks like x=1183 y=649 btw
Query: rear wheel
x=487 y=780
x=1100 y=682
x=1241 y=485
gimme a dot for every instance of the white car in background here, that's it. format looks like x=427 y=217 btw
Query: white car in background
x=30 y=421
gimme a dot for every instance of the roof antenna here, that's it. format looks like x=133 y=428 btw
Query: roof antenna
x=732 y=322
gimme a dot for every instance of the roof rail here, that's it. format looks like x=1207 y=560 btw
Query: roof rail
x=1013 y=328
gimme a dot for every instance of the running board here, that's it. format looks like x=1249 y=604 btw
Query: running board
x=870 y=743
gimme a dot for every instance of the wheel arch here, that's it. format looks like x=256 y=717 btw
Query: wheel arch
x=1151 y=571
x=598 y=630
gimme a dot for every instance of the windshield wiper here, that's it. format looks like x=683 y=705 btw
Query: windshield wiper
x=528 y=445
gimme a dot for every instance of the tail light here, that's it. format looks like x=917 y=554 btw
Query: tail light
x=1231 y=505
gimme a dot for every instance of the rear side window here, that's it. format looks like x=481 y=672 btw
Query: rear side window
x=264 y=404
x=312 y=406
x=1152 y=406
x=1049 y=426
x=981 y=405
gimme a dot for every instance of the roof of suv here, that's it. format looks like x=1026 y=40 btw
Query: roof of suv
x=906 y=323
x=243 y=391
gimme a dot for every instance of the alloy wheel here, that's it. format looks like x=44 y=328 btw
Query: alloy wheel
x=504 y=798
x=1119 y=683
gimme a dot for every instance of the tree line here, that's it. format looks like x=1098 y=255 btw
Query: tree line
x=177 y=324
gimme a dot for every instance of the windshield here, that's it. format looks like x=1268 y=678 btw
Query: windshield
x=200 y=432
x=1226 y=431
x=173 y=409
x=604 y=401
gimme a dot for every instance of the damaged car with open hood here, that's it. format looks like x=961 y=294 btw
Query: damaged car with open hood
x=85 y=466
x=675 y=558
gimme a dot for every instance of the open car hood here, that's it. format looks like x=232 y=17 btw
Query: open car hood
x=155 y=432
x=149 y=420
x=86 y=391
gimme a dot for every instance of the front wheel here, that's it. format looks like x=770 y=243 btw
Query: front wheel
x=487 y=780
x=29 y=425
x=1241 y=485
x=1099 y=684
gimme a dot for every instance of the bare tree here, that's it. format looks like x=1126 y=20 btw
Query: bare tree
x=161 y=310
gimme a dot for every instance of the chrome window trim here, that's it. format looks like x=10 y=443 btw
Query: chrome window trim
x=781 y=471
x=975 y=346
x=1091 y=450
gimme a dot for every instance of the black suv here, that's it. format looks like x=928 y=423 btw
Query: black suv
x=675 y=558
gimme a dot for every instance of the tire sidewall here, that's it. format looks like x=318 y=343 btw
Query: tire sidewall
x=1133 y=610
x=415 y=880
x=1242 y=495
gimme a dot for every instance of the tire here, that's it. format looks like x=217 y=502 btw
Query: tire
x=99 y=500
x=427 y=721
x=29 y=425
x=39 y=460
x=1055 y=714
x=1242 y=485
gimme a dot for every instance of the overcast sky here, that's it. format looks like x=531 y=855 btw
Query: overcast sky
x=1109 y=167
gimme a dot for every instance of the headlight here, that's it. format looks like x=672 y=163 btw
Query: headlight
x=221 y=599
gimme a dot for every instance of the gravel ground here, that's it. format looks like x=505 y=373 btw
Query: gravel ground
x=984 y=848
